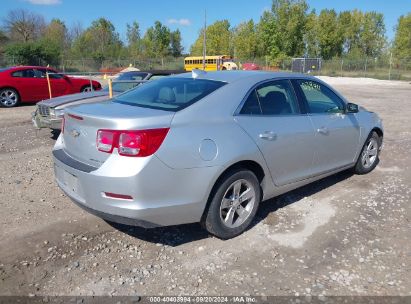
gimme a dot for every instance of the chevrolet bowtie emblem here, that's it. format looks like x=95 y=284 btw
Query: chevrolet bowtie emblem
x=75 y=133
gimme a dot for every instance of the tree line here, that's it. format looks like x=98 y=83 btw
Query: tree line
x=289 y=29
x=27 y=38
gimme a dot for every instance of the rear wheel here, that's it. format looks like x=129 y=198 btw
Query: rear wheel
x=233 y=204
x=369 y=156
x=9 y=98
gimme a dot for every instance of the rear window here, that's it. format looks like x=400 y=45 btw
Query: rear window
x=4 y=69
x=169 y=94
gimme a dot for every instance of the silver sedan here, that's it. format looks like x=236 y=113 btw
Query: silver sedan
x=209 y=147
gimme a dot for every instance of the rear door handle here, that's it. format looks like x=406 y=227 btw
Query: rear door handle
x=268 y=135
x=323 y=130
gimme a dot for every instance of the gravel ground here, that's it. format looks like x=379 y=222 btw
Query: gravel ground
x=344 y=235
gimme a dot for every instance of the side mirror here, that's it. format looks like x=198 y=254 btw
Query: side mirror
x=352 y=108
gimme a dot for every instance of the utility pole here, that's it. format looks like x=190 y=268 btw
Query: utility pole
x=204 y=40
x=389 y=70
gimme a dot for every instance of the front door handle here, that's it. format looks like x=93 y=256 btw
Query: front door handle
x=323 y=130
x=268 y=135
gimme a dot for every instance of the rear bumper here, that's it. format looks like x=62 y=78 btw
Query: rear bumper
x=40 y=122
x=112 y=217
x=161 y=196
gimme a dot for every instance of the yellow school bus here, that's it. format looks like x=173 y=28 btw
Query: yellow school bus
x=212 y=63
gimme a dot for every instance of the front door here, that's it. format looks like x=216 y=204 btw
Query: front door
x=272 y=117
x=337 y=133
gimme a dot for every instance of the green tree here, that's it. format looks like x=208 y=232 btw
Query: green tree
x=176 y=49
x=156 y=41
x=312 y=47
x=267 y=35
x=350 y=24
x=100 y=41
x=3 y=36
x=33 y=53
x=134 y=39
x=56 y=32
x=56 y=39
x=372 y=35
x=218 y=39
x=245 y=40
x=3 y=41
x=330 y=39
x=290 y=17
x=402 y=40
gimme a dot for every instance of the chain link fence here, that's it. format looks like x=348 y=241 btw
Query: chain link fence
x=380 y=68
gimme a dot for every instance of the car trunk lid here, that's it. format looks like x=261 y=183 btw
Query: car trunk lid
x=83 y=122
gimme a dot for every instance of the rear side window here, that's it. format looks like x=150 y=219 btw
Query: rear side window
x=23 y=73
x=169 y=94
x=271 y=98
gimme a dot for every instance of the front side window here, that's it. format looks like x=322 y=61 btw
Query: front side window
x=39 y=73
x=320 y=99
x=271 y=98
x=169 y=94
x=54 y=75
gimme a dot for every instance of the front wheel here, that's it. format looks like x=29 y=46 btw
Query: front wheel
x=86 y=89
x=369 y=156
x=233 y=204
x=9 y=98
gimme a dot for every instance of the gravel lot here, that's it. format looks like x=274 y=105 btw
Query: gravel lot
x=344 y=235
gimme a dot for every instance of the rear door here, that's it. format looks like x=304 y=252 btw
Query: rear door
x=272 y=117
x=337 y=134
x=23 y=80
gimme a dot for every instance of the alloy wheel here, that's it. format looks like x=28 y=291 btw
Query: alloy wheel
x=370 y=153
x=8 y=98
x=237 y=203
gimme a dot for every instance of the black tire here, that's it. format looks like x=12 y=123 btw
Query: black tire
x=213 y=220
x=86 y=89
x=362 y=167
x=9 y=98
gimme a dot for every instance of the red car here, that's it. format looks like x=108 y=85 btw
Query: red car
x=250 y=66
x=29 y=84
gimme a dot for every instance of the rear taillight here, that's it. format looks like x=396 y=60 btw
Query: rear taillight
x=105 y=140
x=131 y=143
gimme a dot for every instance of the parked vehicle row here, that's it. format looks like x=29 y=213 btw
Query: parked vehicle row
x=49 y=112
x=208 y=147
x=28 y=84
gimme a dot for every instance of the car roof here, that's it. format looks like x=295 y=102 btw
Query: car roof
x=232 y=76
x=155 y=72
x=23 y=67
